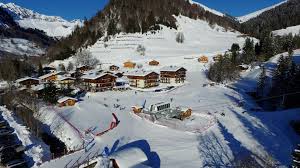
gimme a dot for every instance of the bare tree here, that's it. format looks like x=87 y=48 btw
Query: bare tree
x=141 y=50
x=85 y=57
x=180 y=37
x=70 y=66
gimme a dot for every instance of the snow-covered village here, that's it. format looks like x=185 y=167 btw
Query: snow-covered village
x=150 y=83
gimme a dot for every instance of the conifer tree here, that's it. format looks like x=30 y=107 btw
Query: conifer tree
x=261 y=84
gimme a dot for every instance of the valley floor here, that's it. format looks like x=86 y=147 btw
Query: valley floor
x=236 y=134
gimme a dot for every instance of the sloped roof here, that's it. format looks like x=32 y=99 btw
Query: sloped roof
x=65 y=99
x=26 y=78
x=47 y=75
x=139 y=73
x=95 y=76
x=171 y=68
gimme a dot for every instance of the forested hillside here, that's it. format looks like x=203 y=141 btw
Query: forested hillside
x=282 y=16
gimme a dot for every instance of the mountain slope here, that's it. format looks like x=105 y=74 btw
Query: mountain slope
x=247 y=17
x=53 y=26
x=15 y=40
x=285 y=15
x=148 y=15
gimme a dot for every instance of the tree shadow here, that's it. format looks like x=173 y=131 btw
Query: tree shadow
x=213 y=152
x=143 y=145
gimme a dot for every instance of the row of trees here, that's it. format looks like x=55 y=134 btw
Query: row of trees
x=251 y=52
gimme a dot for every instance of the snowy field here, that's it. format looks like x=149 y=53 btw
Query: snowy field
x=294 y=30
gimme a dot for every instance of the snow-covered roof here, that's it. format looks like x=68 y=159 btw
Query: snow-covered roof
x=26 y=78
x=139 y=73
x=171 y=68
x=47 y=75
x=133 y=157
x=65 y=99
x=94 y=76
x=61 y=78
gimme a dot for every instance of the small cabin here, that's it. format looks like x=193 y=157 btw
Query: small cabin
x=114 y=68
x=137 y=109
x=153 y=63
x=185 y=114
x=203 y=59
x=66 y=101
x=129 y=64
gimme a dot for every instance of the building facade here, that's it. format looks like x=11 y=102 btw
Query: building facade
x=173 y=75
x=143 y=79
x=96 y=83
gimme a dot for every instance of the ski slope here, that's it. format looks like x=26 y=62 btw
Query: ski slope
x=294 y=30
x=200 y=39
x=247 y=17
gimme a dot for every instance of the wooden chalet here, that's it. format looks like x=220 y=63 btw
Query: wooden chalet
x=173 y=75
x=143 y=79
x=83 y=68
x=28 y=82
x=153 y=63
x=203 y=59
x=114 y=68
x=99 y=82
x=129 y=64
x=51 y=77
x=66 y=101
x=66 y=82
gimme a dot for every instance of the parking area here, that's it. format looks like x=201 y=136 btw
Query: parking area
x=11 y=149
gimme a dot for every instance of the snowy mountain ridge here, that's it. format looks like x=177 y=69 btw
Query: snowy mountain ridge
x=54 y=26
x=249 y=16
x=207 y=8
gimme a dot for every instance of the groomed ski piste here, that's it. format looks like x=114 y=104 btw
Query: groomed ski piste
x=219 y=131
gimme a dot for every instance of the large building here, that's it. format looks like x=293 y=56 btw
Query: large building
x=98 y=81
x=142 y=79
x=173 y=75
x=51 y=77
x=28 y=82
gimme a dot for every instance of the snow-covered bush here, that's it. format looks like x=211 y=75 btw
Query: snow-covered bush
x=141 y=49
